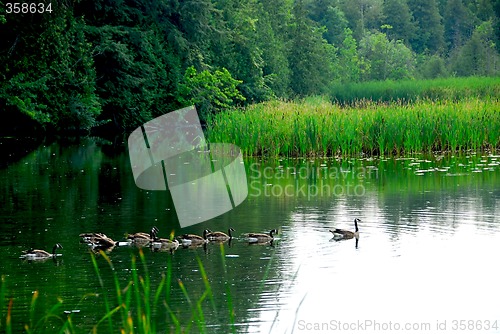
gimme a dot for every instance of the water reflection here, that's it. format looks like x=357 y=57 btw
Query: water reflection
x=428 y=239
x=356 y=240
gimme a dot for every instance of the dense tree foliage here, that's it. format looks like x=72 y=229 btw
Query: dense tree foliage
x=386 y=59
x=88 y=64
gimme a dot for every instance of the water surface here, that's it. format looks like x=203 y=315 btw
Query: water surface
x=429 y=239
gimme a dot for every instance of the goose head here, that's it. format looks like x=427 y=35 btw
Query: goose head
x=356 y=221
x=153 y=233
x=56 y=247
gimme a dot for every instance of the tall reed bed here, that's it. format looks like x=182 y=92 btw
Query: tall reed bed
x=412 y=90
x=316 y=127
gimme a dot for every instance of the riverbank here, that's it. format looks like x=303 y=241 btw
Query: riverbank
x=318 y=127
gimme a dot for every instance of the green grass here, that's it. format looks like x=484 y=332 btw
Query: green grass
x=317 y=127
x=412 y=90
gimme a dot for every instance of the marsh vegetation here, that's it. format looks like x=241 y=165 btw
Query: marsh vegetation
x=372 y=119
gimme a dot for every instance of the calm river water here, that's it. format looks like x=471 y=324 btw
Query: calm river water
x=426 y=259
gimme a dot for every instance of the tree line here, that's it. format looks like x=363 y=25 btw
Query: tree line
x=118 y=63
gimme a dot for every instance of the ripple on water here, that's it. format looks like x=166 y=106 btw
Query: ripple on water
x=422 y=237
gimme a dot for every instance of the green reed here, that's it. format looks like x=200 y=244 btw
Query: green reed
x=50 y=322
x=8 y=324
x=227 y=287
x=132 y=312
x=131 y=308
x=412 y=90
x=322 y=128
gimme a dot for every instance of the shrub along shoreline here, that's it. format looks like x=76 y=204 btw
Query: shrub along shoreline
x=318 y=127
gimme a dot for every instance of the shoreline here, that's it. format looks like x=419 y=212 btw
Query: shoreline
x=320 y=128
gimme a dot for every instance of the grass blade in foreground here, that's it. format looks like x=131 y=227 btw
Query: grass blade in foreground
x=230 y=306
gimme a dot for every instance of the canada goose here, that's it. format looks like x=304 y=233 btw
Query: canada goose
x=143 y=236
x=162 y=244
x=98 y=240
x=220 y=236
x=193 y=239
x=261 y=237
x=87 y=237
x=339 y=234
x=38 y=254
x=140 y=239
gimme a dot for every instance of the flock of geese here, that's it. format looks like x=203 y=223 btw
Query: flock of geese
x=100 y=241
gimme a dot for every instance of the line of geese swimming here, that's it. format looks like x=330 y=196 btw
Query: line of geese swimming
x=100 y=241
